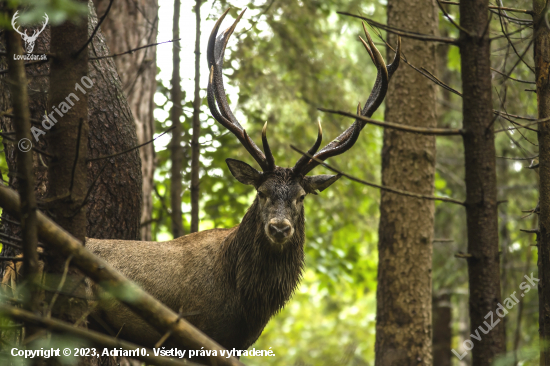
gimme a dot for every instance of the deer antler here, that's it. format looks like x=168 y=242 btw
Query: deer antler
x=15 y=16
x=37 y=33
x=348 y=138
x=216 y=93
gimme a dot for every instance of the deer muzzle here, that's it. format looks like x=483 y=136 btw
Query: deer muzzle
x=279 y=230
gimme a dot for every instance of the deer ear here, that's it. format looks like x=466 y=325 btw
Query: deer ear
x=320 y=182
x=243 y=172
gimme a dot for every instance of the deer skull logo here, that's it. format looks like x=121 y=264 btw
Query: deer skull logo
x=29 y=41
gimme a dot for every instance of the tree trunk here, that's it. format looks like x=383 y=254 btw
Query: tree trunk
x=38 y=84
x=114 y=206
x=404 y=293
x=195 y=147
x=542 y=66
x=131 y=24
x=481 y=192
x=176 y=155
x=26 y=175
x=114 y=202
x=442 y=331
x=113 y=209
x=67 y=131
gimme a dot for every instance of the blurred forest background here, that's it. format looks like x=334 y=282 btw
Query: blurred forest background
x=286 y=59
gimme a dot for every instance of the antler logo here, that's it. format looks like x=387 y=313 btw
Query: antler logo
x=29 y=41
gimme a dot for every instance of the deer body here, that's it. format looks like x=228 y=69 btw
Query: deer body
x=229 y=281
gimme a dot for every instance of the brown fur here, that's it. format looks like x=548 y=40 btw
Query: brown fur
x=230 y=281
x=227 y=282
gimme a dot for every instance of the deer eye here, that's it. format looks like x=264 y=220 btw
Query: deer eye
x=261 y=195
x=301 y=199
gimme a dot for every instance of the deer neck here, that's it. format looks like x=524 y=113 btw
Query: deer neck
x=264 y=279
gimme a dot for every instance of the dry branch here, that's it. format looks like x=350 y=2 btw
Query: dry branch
x=25 y=173
x=384 y=188
x=400 y=126
x=95 y=338
x=158 y=315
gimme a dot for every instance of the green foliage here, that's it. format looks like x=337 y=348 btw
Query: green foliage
x=290 y=58
x=32 y=11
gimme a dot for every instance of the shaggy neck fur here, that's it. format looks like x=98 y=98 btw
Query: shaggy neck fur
x=263 y=278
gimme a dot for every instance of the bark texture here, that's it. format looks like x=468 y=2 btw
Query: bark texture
x=404 y=294
x=114 y=209
x=442 y=331
x=26 y=175
x=131 y=24
x=195 y=146
x=37 y=87
x=67 y=132
x=176 y=155
x=67 y=128
x=542 y=70
x=481 y=190
x=114 y=203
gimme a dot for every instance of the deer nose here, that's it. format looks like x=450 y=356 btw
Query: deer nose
x=279 y=229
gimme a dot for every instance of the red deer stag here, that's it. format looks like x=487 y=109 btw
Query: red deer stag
x=230 y=282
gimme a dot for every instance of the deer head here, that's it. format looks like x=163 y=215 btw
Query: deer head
x=29 y=41
x=281 y=191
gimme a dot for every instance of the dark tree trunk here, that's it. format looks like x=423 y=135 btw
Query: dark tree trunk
x=542 y=68
x=114 y=203
x=195 y=147
x=404 y=319
x=114 y=206
x=442 y=331
x=481 y=192
x=38 y=85
x=113 y=209
x=131 y=24
x=26 y=176
x=176 y=154
x=67 y=131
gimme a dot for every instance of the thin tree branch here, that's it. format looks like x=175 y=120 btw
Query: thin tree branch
x=130 y=149
x=158 y=315
x=132 y=50
x=95 y=29
x=25 y=174
x=451 y=19
x=384 y=188
x=403 y=32
x=511 y=78
x=512 y=19
x=398 y=126
x=530 y=12
x=76 y=157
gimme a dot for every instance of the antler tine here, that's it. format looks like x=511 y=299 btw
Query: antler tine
x=348 y=138
x=396 y=58
x=212 y=40
x=43 y=25
x=16 y=28
x=37 y=32
x=219 y=51
x=268 y=154
x=305 y=158
x=216 y=93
